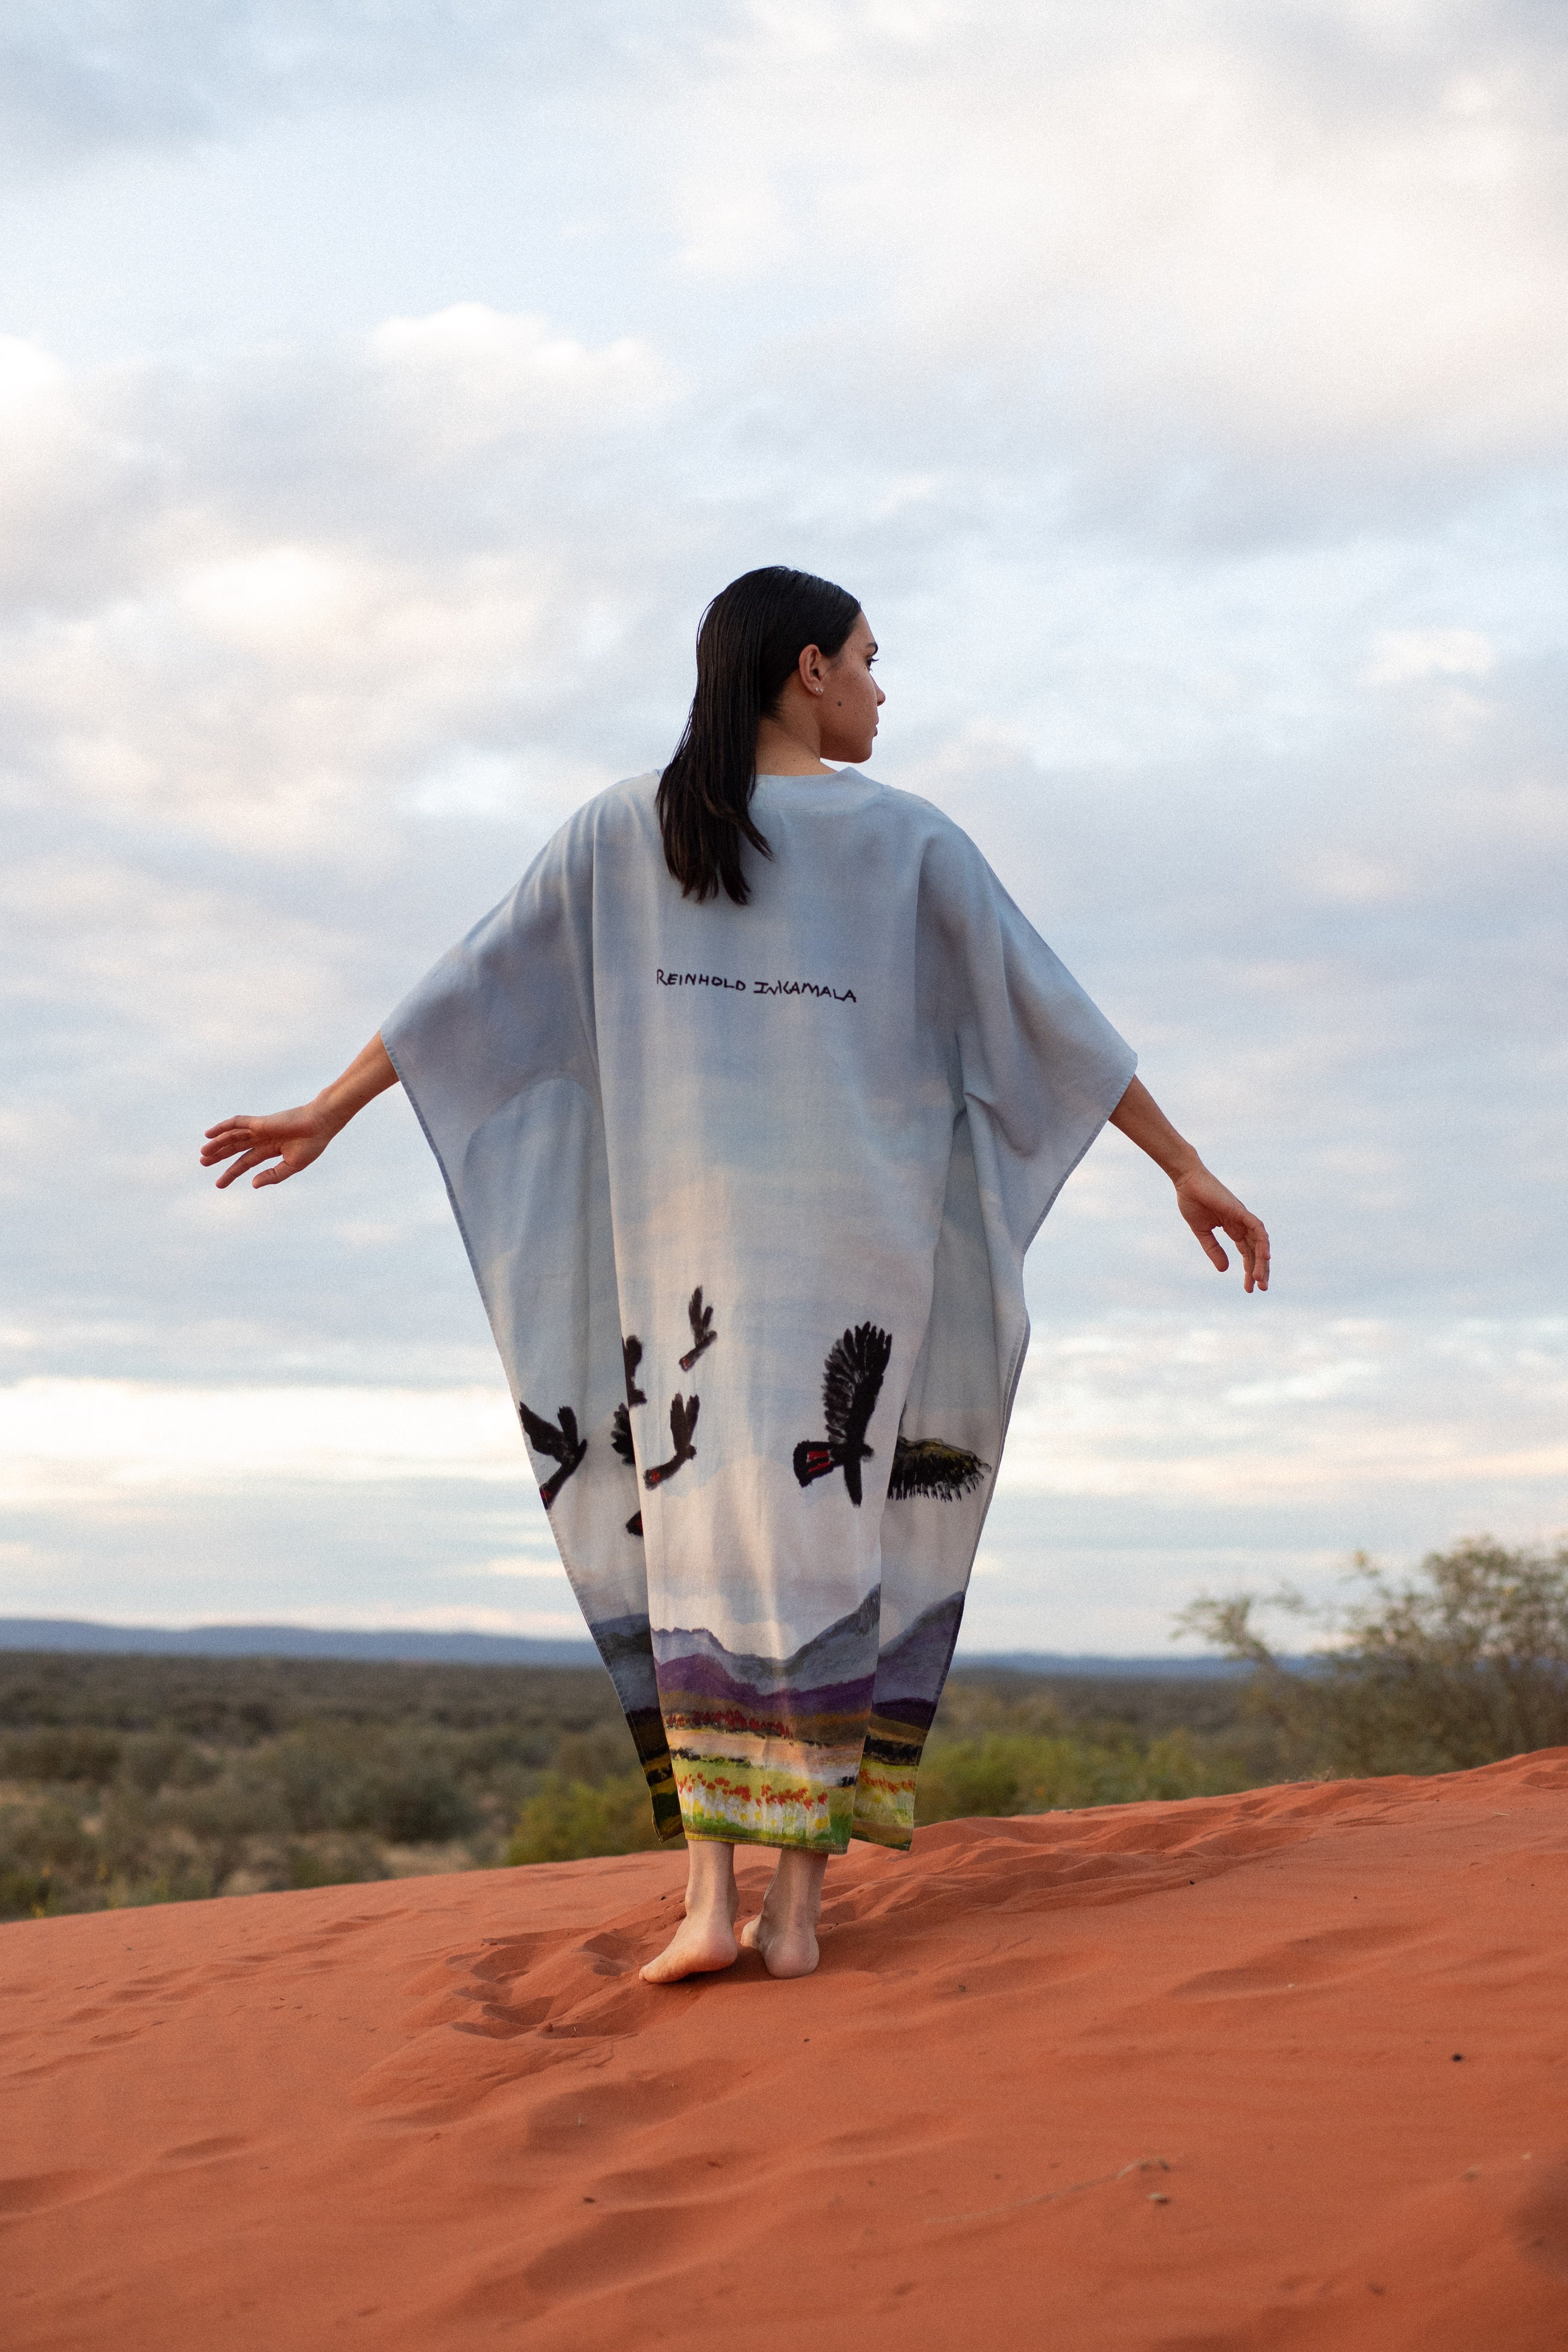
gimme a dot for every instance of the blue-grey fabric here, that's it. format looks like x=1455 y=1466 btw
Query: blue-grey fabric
x=849 y=1103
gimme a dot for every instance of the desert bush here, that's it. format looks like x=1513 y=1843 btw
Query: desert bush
x=605 y=1753
x=219 y=1822
x=568 y=1820
x=182 y=1878
x=151 y=1761
x=988 y=1776
x=47 y=1835
x=141 y=1855
x=312 y=1768
x=48 y=1861
x=1463 y=1665
x=334 y=1862
x=1041 y=1773
x=31 y=1892
x=409 y=1799
x=65 y=1753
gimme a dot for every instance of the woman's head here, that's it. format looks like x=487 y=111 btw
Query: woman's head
x=771 y=637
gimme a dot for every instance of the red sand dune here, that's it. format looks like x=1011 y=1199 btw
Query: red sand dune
x=1283 y=2070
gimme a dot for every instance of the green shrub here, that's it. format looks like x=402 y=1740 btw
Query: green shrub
x=151 y=1761
x=334 y=1862
x=64 y=1752
x=184 y=1878
x=130 y=1834
x=49 y=1835
x=569 y=1820
x=411 y=1801
x=220 y=1821
x=1461 y=1666
x=311 y=1771
x=1039 y=1773
x=33 y=1894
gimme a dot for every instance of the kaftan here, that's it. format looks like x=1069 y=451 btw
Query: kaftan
x=747 y=1193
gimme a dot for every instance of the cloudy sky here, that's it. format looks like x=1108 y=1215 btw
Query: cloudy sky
x=386 y=384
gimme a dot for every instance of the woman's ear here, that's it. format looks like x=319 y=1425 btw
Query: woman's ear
x=811 y=667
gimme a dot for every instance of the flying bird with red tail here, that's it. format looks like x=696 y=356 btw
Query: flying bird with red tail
x=851 y=1383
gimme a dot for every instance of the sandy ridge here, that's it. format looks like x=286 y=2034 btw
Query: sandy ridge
x=1278 y=2070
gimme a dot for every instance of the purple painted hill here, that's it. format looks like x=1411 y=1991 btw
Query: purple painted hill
x=829 y=1675
x=912 y=1670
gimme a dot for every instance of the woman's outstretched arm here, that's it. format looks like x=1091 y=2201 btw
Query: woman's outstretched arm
x=294 y=1138
x=1202 y=1199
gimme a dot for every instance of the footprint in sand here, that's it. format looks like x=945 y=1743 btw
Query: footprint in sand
x=1305 y=1960
x=41 y=2192
x=205 y=2151
x=529 y=2001
x=599 y=2115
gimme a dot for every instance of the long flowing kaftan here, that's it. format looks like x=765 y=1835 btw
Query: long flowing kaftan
x=747 y=1193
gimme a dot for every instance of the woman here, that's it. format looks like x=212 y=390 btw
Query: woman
x=750 y=1099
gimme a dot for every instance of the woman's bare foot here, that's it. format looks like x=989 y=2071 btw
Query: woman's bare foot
x=705 y=1939
x=784 y=1930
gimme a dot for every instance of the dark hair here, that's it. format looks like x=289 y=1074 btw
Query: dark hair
x=748 y=643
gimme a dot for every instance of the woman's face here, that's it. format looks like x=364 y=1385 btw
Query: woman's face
x=851 y=697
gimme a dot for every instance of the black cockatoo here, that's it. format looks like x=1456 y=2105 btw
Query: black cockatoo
x=703 y=1332
x=562 y=1443
x=682 y=1422
x=631 y=1357
x=928 y=1466
x=621 y=1439
x=851 y=1383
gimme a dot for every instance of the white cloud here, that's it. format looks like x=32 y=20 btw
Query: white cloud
x=79 y=78
x=471 y=376
x=1188 y=259
x=259 y=685
x=62 y=1438
x=30 y=379
x=1400 y=656
x=277 y=602
x=1241 y=1411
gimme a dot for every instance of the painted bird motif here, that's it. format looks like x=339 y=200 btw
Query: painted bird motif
x=682 y=1422
x=621 y=1439
x=631 y=1357
x=560 y=1441
x=928 y=1466
x=851 y=1383
x=703 y=1332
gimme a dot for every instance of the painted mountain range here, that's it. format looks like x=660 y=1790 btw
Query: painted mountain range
x=799 y=1747
x=830 y=1677
x=911 y=1671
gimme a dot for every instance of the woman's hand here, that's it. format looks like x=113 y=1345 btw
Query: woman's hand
x=291 y=1138
x=1205 y=1203
x=294 y=1138
x=1202 y=1199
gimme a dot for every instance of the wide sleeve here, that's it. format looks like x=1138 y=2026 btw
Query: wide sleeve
x=1038 y=1064
x=509 y=1004
x=496 y=1049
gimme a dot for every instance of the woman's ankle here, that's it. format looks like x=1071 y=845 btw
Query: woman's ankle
x=709 y=1879
x=796 y=1889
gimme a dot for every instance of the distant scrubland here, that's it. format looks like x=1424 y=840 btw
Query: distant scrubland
x=1462 y=1664
x=132 y=1780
